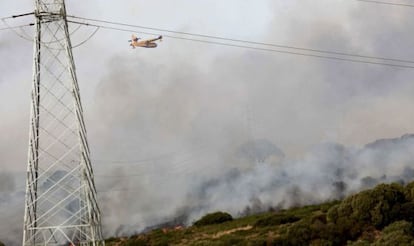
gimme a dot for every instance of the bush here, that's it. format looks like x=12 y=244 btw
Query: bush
x=138 y=242
x=109 y=240
x=407 y=212
x=321 y=242
x=258 y=242
x=230 y=240
x=132 y=241
x=213 y=218
x=276 y=219
x=328 y=205
x=394 y=238
x=332 y=214
x=369 y=234
x=379 y=206
x=402 y=226
x=321 y=217
x=298 y=234
x=359 y=243
x=409 y=192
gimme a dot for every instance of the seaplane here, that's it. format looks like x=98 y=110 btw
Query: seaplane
x=146 y=43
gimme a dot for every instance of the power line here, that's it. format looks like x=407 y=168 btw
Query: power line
x=15 y=27
x=31 y=24
x=87 y=39
x=16 y=16
x=261 y=49
x=241 y=41
x=387 y=3
x=245 y=41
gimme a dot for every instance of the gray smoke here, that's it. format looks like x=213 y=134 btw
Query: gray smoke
x=328 y=171
x=11 y=207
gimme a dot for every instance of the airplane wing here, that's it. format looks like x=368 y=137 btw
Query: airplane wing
x=154 y=39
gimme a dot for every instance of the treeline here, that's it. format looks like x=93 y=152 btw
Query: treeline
x=383 y=215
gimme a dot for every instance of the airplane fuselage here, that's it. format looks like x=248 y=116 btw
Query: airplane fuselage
x=143 y=44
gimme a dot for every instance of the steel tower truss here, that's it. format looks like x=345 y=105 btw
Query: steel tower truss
x=60 y=204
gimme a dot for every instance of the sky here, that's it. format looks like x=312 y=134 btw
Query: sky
x=188 y=109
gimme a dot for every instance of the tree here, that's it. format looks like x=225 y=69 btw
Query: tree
x=379 y=206
x=397 y=233
x=213 y=218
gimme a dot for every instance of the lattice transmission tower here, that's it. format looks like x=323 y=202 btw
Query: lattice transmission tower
x=61 y=203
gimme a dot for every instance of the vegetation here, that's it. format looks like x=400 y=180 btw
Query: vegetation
x=213 y=218
x=383 y=215
x=276 y=219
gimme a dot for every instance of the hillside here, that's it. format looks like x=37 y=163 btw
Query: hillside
x=383 y=215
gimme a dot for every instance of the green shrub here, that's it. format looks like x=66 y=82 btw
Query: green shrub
x=359 y=243
x=355 y=216
x=231 y=240
x=276 y=219
x=213 y=218
x=332 y=214
x=379 y=206
x=319 y=217
x=328 y=205
x=109 y=240
x=137 y=242
x=369 y=234
x=407 y=212
x=161 y=241
x=298 y=234
x=258 y=242
x=409 y=192
x=403 y=226
x=394 y=238
x=321 y=242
